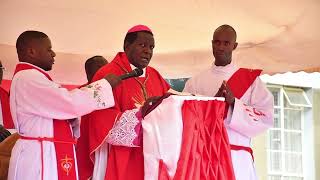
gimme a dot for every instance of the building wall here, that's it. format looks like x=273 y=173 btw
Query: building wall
x=259 y=146
x=309 y=137
x=316 y=121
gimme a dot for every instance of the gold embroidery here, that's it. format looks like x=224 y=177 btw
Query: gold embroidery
x=66 y=164
x=137 y=98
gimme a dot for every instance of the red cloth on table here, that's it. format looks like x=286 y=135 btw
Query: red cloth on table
x=205 y=150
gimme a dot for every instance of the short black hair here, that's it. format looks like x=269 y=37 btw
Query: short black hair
x=91 y=61
x=131 y=37
x=93 y=64
x=26 y=37
x=226 y=26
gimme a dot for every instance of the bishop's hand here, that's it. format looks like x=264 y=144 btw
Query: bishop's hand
x=148 y=103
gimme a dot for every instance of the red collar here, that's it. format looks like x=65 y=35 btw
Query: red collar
x=26 y=66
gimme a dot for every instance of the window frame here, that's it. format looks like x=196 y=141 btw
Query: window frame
x=285 y=89
x=281 y=108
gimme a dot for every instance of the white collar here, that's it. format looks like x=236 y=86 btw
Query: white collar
x=223 y=69
x=144 y=70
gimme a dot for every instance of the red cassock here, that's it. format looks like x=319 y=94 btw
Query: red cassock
x=123 y=162
x=6 y=114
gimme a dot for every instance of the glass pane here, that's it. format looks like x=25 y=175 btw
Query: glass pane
x=287 y=104
x=274 y=177
x=275 y=161
x=275 y=140
x=292 y=178
x=292 y=119
x=276 y=95
x=292 y=141
x=276 y=117
x=296 y=96
x=293 y=163
x=177 y=84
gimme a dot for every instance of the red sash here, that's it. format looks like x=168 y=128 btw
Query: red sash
x=63 y=140
x=241 y=80
x=239 y=83
x=6 y=114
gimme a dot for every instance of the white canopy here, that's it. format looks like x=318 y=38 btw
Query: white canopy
x=299 y=79
x=277 y=36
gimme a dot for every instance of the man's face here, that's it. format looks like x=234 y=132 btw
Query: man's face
x=140 y=51
x=223 y=43
x=42 y=54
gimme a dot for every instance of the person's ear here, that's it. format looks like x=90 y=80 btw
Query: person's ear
x=126 y=46
x=235 y=46
x=31 y=52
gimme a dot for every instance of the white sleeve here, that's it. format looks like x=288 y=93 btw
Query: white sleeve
x=37 y=95
x=127 y=130
x=255 y=117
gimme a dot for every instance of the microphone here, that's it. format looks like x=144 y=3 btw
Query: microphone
x=134 y=73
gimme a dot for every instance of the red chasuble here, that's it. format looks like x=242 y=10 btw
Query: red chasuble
x=6 y=114
x=123 y=162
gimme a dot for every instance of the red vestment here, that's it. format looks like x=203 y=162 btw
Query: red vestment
x=6 y=114
x=123 y=162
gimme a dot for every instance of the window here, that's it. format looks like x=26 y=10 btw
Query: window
x=177 y=84
x=296 y=97
x=285 y=161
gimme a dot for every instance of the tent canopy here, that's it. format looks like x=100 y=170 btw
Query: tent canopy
x=277 y=36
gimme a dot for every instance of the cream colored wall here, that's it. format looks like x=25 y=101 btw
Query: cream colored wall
x=316 y=121
x=259 y=146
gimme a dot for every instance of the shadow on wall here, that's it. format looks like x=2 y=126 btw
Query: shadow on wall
x=177 y=84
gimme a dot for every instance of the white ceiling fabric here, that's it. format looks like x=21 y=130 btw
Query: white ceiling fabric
x=277 y=36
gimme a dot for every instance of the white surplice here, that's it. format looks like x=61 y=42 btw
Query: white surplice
x=242 y=123
x=35 y=101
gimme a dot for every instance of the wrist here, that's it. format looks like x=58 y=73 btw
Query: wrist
x=232 y=101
